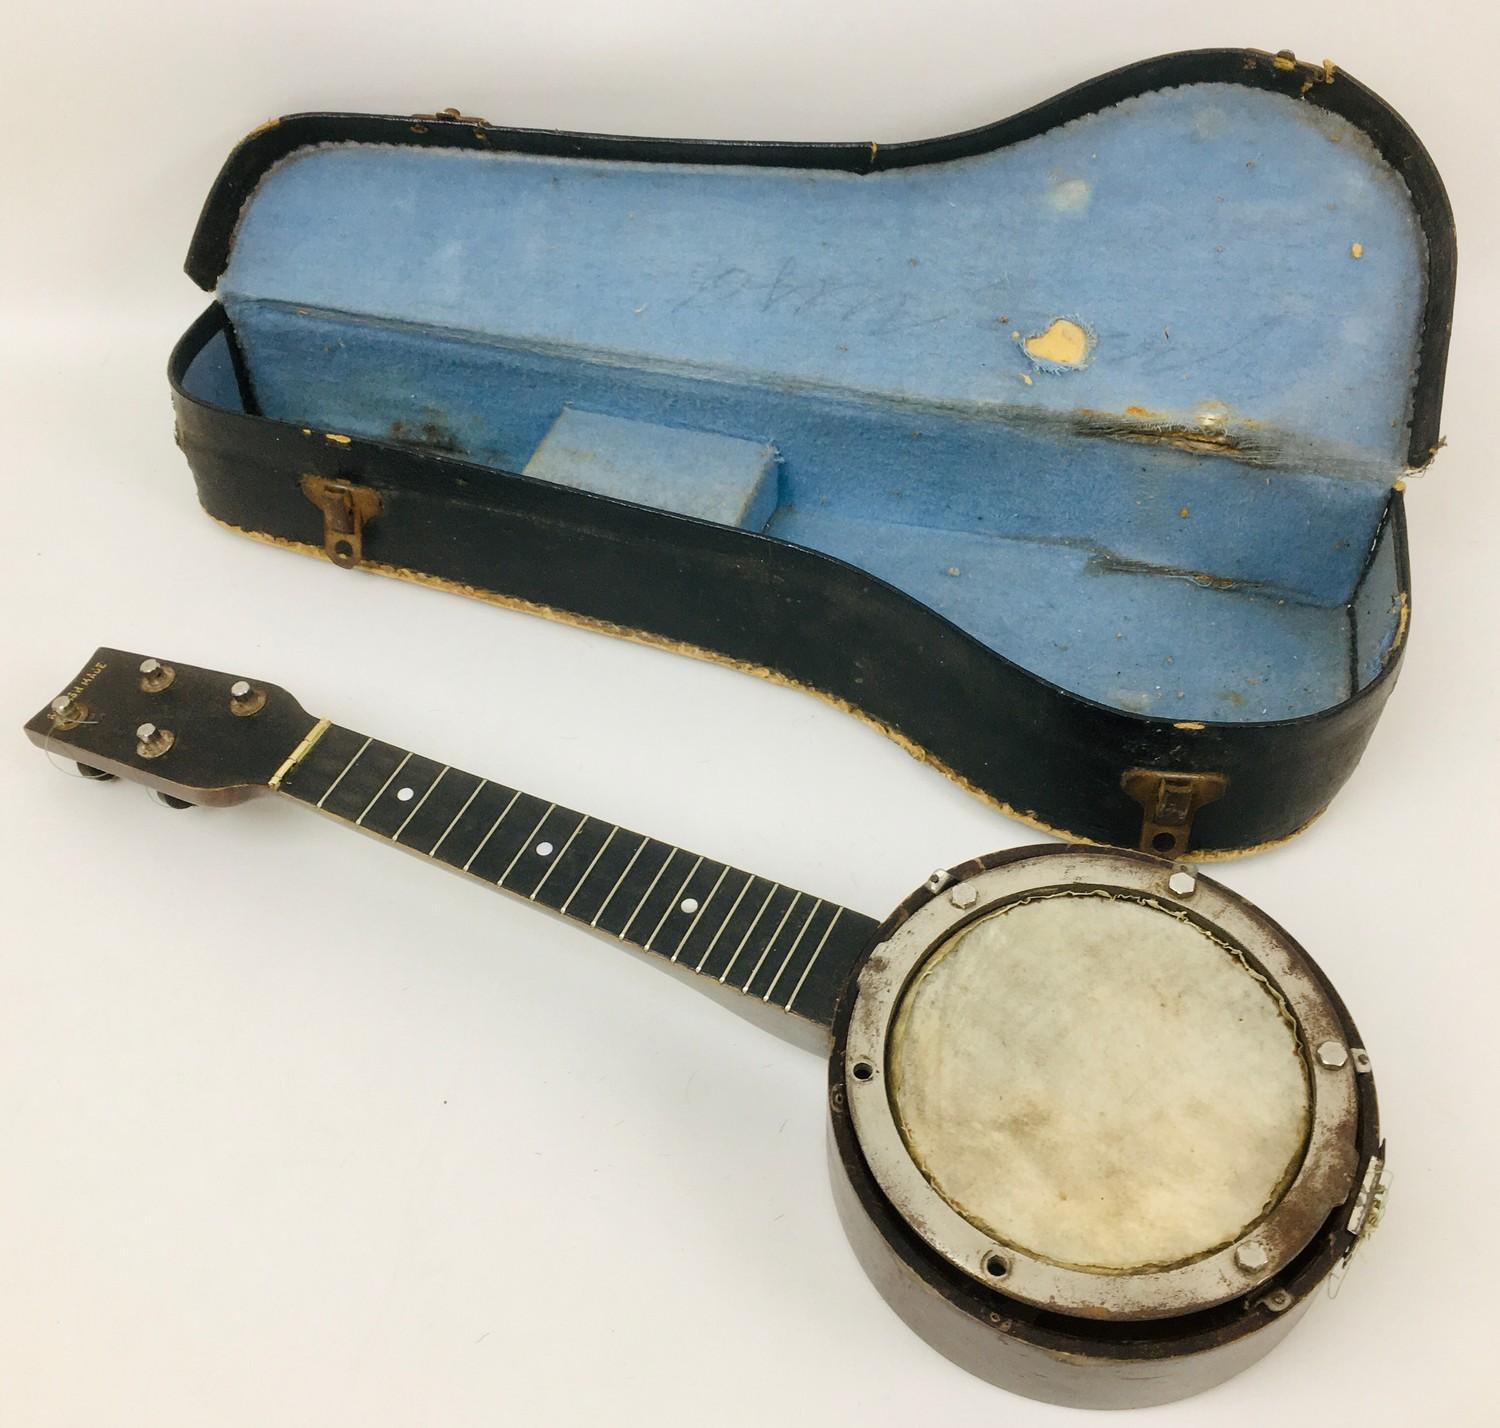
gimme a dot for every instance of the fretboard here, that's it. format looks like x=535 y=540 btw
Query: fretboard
x=786 y=948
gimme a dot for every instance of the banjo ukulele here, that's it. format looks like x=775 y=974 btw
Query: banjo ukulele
x=1099 y=1128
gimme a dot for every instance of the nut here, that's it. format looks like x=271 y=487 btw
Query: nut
x=1182 y=883
x=963 y=895
x=1251 y=1256
x=1332 y=1054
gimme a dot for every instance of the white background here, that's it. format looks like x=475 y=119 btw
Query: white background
x=294 y=1131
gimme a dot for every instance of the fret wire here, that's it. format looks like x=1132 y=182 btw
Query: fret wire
x=594 y=920
x=547 y=872
x=723 y=925
x=344 y=770
x=482 y=784
x=525 y=844
x=766 y=950
x=697 y=916
x=493 y=826
x=416 y=808
x=670 y=855
x=802 y=932
x=672 y=906
x=578 y=886
x=359 y=822
x=827 y=933
x=775 y=888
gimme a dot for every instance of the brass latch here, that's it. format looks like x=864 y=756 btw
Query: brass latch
x=345 y=507
x=1169 y=801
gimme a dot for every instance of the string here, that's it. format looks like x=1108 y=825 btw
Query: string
x=68 y=764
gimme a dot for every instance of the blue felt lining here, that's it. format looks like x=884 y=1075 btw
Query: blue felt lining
x=1136 y=641
x=1178 y=523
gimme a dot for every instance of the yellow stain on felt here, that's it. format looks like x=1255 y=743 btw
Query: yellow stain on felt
x=1185 y=512
x=1356 y=250
x=1065 y=343
x=338 y=440
x=1187 y=724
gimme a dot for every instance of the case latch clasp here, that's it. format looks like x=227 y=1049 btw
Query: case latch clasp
x=345 y=507
x=1169 y=802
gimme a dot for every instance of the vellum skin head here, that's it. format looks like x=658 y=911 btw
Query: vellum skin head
x=1099 y=1082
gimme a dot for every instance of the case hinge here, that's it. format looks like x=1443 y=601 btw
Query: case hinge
x=345 y=507
x=453 y=116
x=1169 y=802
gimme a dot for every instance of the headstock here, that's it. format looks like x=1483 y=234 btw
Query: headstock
x=192 y=734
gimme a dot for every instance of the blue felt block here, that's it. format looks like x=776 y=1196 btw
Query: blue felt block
x=694 y=473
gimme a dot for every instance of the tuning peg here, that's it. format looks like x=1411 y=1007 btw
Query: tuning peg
x=156 y=676
x=68 y=712
x=245 y=699
x=151 y=742
x=99 y=775
x=166 y=800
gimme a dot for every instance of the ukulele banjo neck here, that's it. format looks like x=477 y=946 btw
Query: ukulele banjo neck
x=776 y=953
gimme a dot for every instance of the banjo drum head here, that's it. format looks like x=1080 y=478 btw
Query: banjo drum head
x=1110 y=1104
x=1098 y=1083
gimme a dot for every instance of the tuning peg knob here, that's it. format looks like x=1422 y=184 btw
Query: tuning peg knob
x=245 y=699
x=151 y=742
x=99 y=775
x=166 y=800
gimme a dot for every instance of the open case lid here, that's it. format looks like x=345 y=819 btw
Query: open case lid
x=1121 y=386
x=1271 y=342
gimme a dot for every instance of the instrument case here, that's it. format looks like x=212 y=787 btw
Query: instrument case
x=1067 y=451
